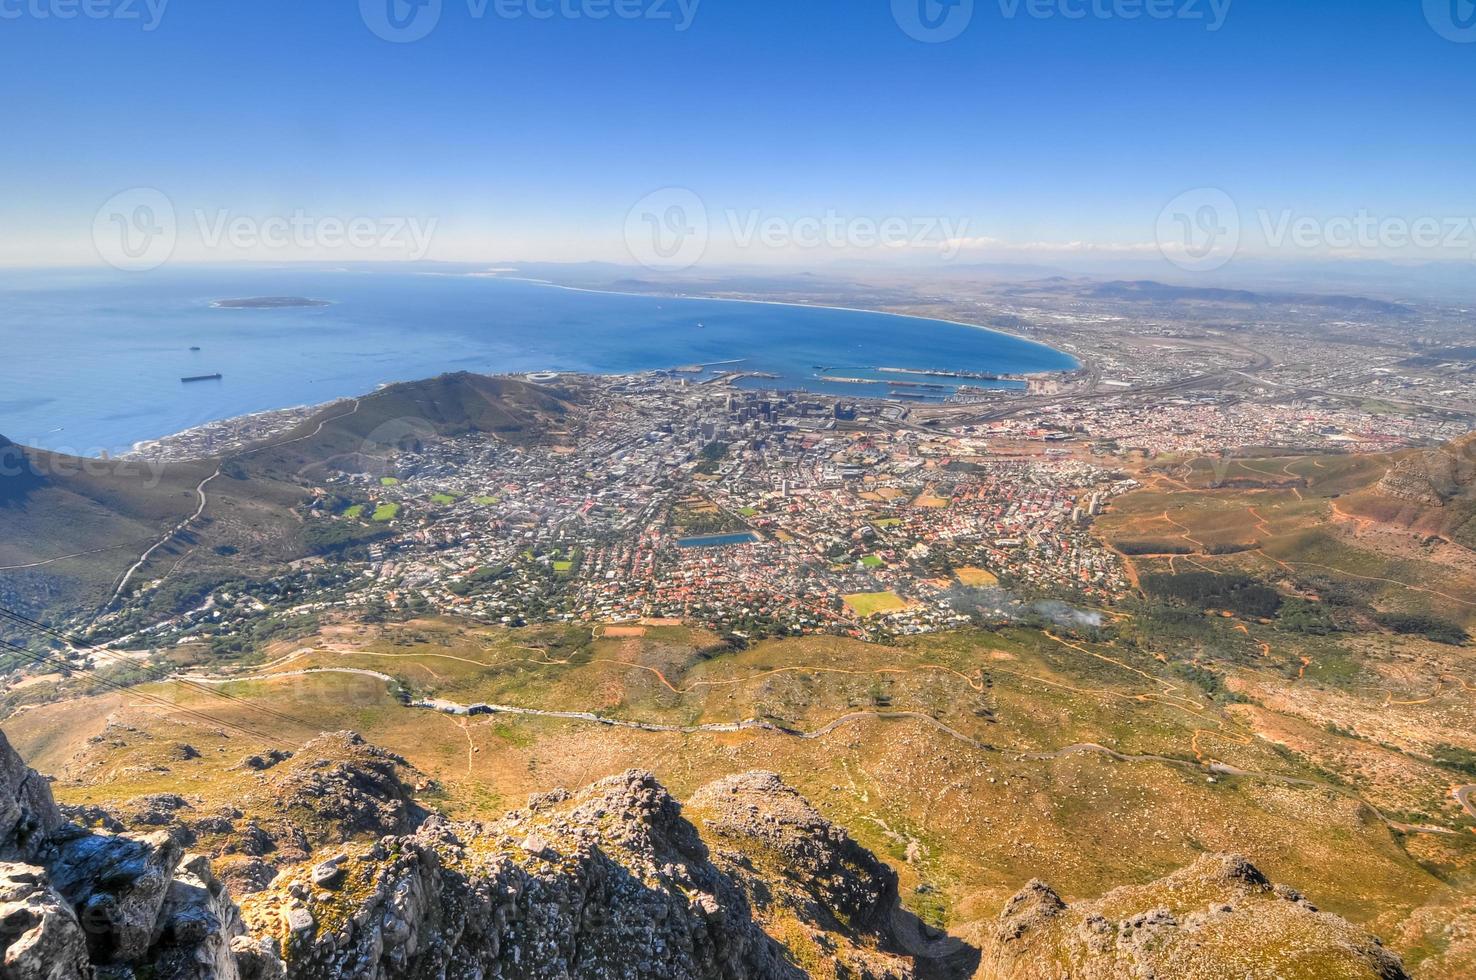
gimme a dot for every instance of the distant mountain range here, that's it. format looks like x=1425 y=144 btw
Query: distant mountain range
x=1149 y=291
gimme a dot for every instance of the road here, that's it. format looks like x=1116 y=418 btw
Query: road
x=453 y=708
x=173 y=532
x=168 y=537
x=1463 y=797
x=456 y=709
x=1360 y=399
x=1259 y=362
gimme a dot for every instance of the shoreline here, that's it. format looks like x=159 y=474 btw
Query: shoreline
x=197 y=441
x=1078 y=364
x=183 y=444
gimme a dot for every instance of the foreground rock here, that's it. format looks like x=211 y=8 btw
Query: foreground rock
x=616 y=882
x=611 y=883
x=807 y=880
x=78 y=904
x=285 y=807
x=41 y=934
x=1220 y=917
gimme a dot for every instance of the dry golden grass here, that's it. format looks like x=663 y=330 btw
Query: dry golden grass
x=978 y=822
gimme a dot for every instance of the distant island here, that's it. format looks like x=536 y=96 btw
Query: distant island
x=268 y=303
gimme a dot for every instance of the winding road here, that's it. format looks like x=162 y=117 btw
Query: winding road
x=204 y=500
x=1462 y=796
x=749 y=724
x=168 y=537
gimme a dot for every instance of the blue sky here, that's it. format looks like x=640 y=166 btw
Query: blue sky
x=526 y=138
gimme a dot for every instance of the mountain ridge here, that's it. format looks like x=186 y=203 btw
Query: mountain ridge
x=1148 y=289
x=69 y=526
x=618 y=880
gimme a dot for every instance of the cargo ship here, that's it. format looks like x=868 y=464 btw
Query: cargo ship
x=202 y=377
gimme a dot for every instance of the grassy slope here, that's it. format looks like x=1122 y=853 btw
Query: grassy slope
x=61 y=506
x=1302 y=522
x=979 y=823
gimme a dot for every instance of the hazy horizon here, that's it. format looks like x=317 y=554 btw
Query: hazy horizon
x=1172 y=135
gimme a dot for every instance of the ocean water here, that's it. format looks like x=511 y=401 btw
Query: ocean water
x=94 y=361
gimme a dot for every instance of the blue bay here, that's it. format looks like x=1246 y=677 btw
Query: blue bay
x=95 y=361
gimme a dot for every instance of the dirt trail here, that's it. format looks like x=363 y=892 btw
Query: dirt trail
x=1291 y=566
x=52 y=561
x=461 y=711
x=1186 y=534
x=173 y=532
x=976 y=682
x=1221 y=732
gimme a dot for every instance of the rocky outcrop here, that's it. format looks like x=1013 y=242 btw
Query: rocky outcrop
x=755 y=811
x=117 y=884
x=39 y=930
x=28 y=814
x=616 y=882
x=1429 y=494
x=201 y=935
x=337 y=787
x=610 y=883
x=1217 y=917
x=810 y=882
x=1428 y=478
x=75 y=903
x=1032 y=907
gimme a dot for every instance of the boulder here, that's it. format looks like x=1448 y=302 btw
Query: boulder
x=28 y=814
x=111 y=905
x=758 y=809
x=1200 y=923
x=39 y=932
